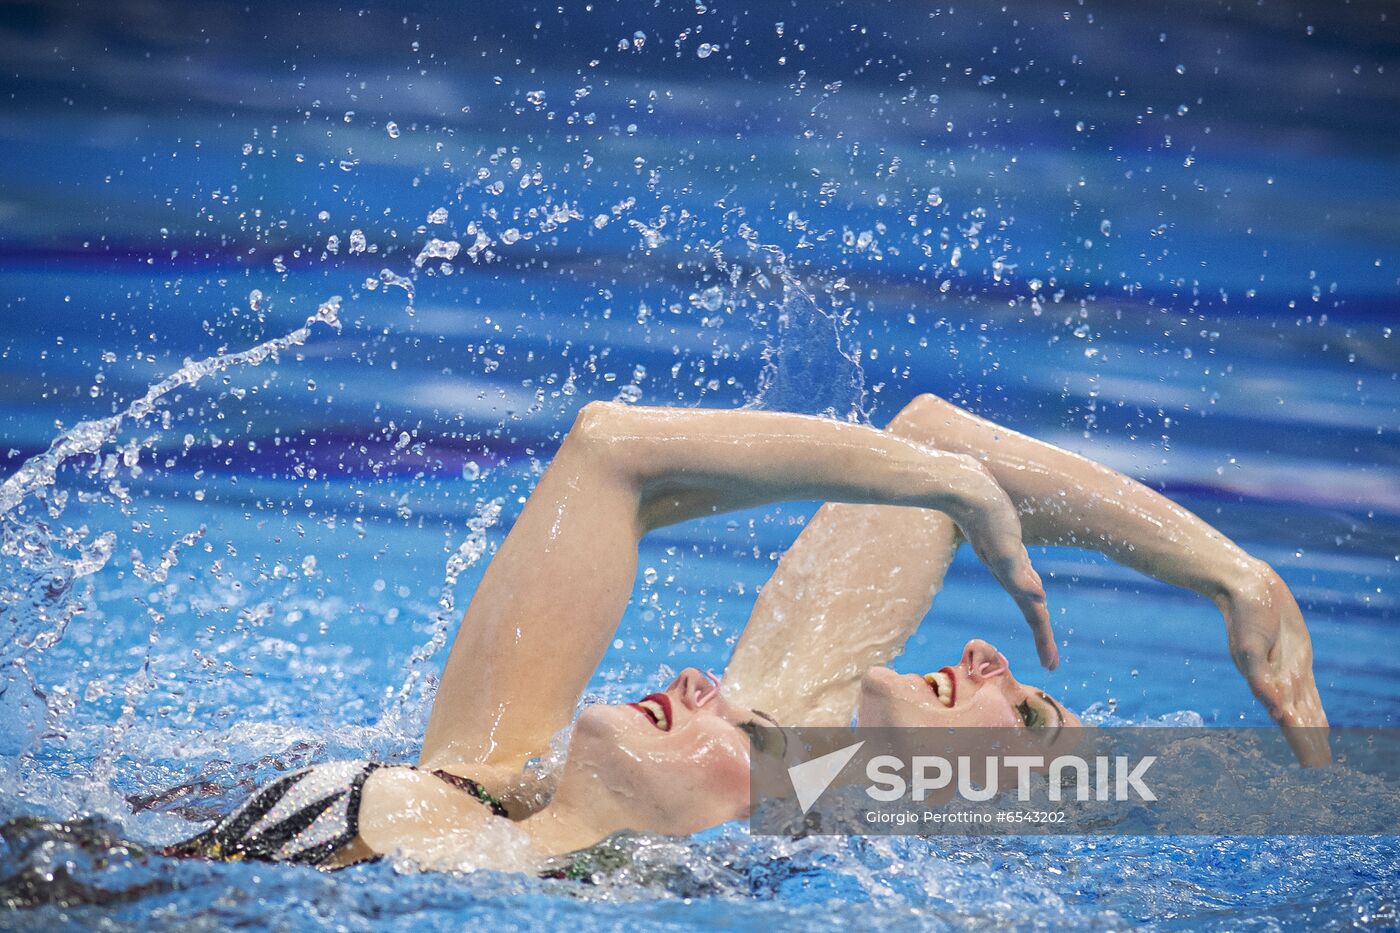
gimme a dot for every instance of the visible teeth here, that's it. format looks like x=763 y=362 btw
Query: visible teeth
x=942 y=685
x=658 y=712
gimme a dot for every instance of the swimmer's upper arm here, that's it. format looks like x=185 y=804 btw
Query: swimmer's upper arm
x=539 y=622
x=411 y=813
x=844 y=598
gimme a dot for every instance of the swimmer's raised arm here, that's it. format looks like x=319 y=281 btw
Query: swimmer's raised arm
x=859 y=579
x=550 y=601
x=1066 y=499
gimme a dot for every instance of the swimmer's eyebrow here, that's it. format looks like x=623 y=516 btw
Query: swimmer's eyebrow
x=1059 y=711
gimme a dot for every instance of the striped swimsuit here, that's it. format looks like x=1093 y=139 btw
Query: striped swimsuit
x=305 y=817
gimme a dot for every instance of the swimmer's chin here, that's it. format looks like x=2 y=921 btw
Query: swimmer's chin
x=881 y=681
x=607 y=722
x=890 y=699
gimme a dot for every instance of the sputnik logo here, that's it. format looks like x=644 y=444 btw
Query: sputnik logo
x=811 y=778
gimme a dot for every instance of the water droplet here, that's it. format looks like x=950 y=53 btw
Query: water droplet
x=650 y=575
x=711 y=299
x=437 y=249
x=705 y=50
x=639 y=39
x=392 y=129
x=1181 y=69
x=1105 y=226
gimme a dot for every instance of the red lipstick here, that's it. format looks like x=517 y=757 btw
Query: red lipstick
x=664 y=721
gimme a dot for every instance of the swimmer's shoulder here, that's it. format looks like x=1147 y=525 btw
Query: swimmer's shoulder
x=404 y=810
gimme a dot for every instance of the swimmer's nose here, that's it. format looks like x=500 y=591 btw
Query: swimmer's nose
x=695 y=688
x=981 y=661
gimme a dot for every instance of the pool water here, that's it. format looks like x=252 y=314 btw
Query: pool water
x=1164 y=238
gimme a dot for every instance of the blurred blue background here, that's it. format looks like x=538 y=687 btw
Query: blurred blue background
x=1164 y=236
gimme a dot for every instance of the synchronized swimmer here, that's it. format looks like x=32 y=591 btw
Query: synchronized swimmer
x=842 y=603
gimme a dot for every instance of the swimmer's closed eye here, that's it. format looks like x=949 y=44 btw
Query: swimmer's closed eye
x=767 y=738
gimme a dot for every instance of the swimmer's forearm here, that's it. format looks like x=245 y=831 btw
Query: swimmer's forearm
x=691 y=462
x=1065 y=499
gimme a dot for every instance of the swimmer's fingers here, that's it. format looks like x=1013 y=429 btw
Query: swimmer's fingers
x=1270 y=645
x=988 y=519
x=1293 y=702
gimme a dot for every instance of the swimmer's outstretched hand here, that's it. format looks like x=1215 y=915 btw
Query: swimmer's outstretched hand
x=988 y=520
x=1270 y=645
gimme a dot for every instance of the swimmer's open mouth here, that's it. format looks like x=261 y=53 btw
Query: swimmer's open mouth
x=944 y=684
x=657 y=708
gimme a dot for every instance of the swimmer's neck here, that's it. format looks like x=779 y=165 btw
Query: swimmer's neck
x=583 y=812
x=559 y=829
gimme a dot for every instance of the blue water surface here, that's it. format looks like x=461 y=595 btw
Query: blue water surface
x=1165 y=237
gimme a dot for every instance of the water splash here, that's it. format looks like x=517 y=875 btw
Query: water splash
x=809 y=366
x=399 y=716
x=37 y=596
x=806 y=367
x=88 y=437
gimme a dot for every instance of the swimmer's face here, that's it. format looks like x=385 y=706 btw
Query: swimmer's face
x=678 y=759
x=977 y=691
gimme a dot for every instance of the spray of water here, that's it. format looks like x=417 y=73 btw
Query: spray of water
x=400 y=716
x=809 y=365
x=38 y=599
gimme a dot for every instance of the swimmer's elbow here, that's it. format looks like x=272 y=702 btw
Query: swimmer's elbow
x=597 y=435
x=597 y=422
x=596 y=429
